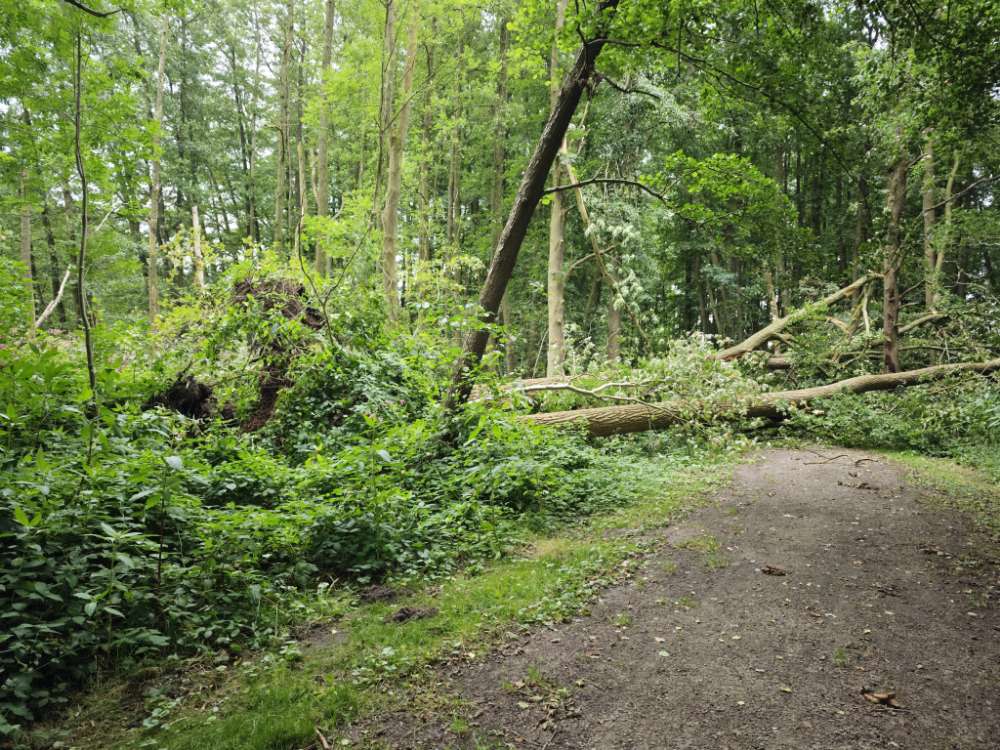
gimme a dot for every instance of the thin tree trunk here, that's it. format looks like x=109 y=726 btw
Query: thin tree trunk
x=928 y=200
x=526 y=201
x=282 y=156
x=862 y=225
x=152 y=256
x=424 y=179
x=892 y=262
x=390 y=211
x=322 y=156
x=614 y=349
x=26 y=258
x=50 y=240
x=500 y=132
x=943 y=241
x=199 y=259
x=556 y=277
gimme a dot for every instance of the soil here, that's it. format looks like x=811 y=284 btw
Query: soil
x=869 y=588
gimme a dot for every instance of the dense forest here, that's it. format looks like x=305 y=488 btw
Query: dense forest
x=302 y=299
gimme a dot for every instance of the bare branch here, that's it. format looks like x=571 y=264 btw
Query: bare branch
x=91 y=11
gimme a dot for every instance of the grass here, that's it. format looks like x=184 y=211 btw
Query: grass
x=709 y=547
x=275 y=702
x=968 y=490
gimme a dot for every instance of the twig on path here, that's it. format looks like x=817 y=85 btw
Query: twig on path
x=829 y=460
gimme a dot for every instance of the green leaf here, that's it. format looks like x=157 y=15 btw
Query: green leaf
x=21 y=517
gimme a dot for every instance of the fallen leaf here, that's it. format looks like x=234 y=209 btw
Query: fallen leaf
x=886 y=698
x=785 y=689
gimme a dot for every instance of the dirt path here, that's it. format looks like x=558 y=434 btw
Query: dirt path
x=702 y=649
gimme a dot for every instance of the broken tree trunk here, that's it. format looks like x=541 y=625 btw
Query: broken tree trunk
x=765 y=334
x=616 y=420
x=749 y=344
x=525 y=202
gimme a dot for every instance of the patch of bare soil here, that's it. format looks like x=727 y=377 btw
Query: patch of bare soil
x=816 y=605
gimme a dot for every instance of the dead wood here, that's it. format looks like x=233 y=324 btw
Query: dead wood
x=614 y=420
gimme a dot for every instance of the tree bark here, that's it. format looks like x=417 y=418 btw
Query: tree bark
x=928 y=201
x=152 y=256
x=26 y=258
x=892 y=262
x=390 y=210
x=765 y=334
x=323 y=137
x=282 y=156
x=199 y=259
x=57 y=287
x=500 y=132
x=525 y=202
x=943 y=239
x=616 y=420
x=556 y=276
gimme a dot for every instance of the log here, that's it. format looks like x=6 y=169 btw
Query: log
x=617 y=420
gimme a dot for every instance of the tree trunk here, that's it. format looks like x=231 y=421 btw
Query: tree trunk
x=525 y=202
x=390 y=210
x=616 y=420
x=862 y=225
x=500 y=133
x=282 y=156
x=928 y=200
x=892 y=262
x=26 y=258
x=199 y=259
x=152 y=256
x=323 y=139
x=943 y=239
x=556 y=277
x=50 y=240
x=614 y=348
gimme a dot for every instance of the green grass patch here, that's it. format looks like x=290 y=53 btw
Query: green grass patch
x=966 y=489
x=277 y=701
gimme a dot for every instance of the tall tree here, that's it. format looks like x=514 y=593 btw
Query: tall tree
x=323 y=137
x=152 y=256
x=556 y=277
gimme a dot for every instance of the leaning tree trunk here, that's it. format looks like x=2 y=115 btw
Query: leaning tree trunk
x=528 y=195
x=616 y=420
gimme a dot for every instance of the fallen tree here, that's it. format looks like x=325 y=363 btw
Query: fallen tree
x=774 y=330
x=617 y=420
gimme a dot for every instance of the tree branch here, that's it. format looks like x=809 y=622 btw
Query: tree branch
x=91 y=11
x=607 y=180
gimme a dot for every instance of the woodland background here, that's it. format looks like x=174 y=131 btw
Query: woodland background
x=243 y=244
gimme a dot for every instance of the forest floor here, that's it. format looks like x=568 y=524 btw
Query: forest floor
x=814 y=576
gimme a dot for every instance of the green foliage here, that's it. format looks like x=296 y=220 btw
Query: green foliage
x=129 y=534
x=945 y=418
